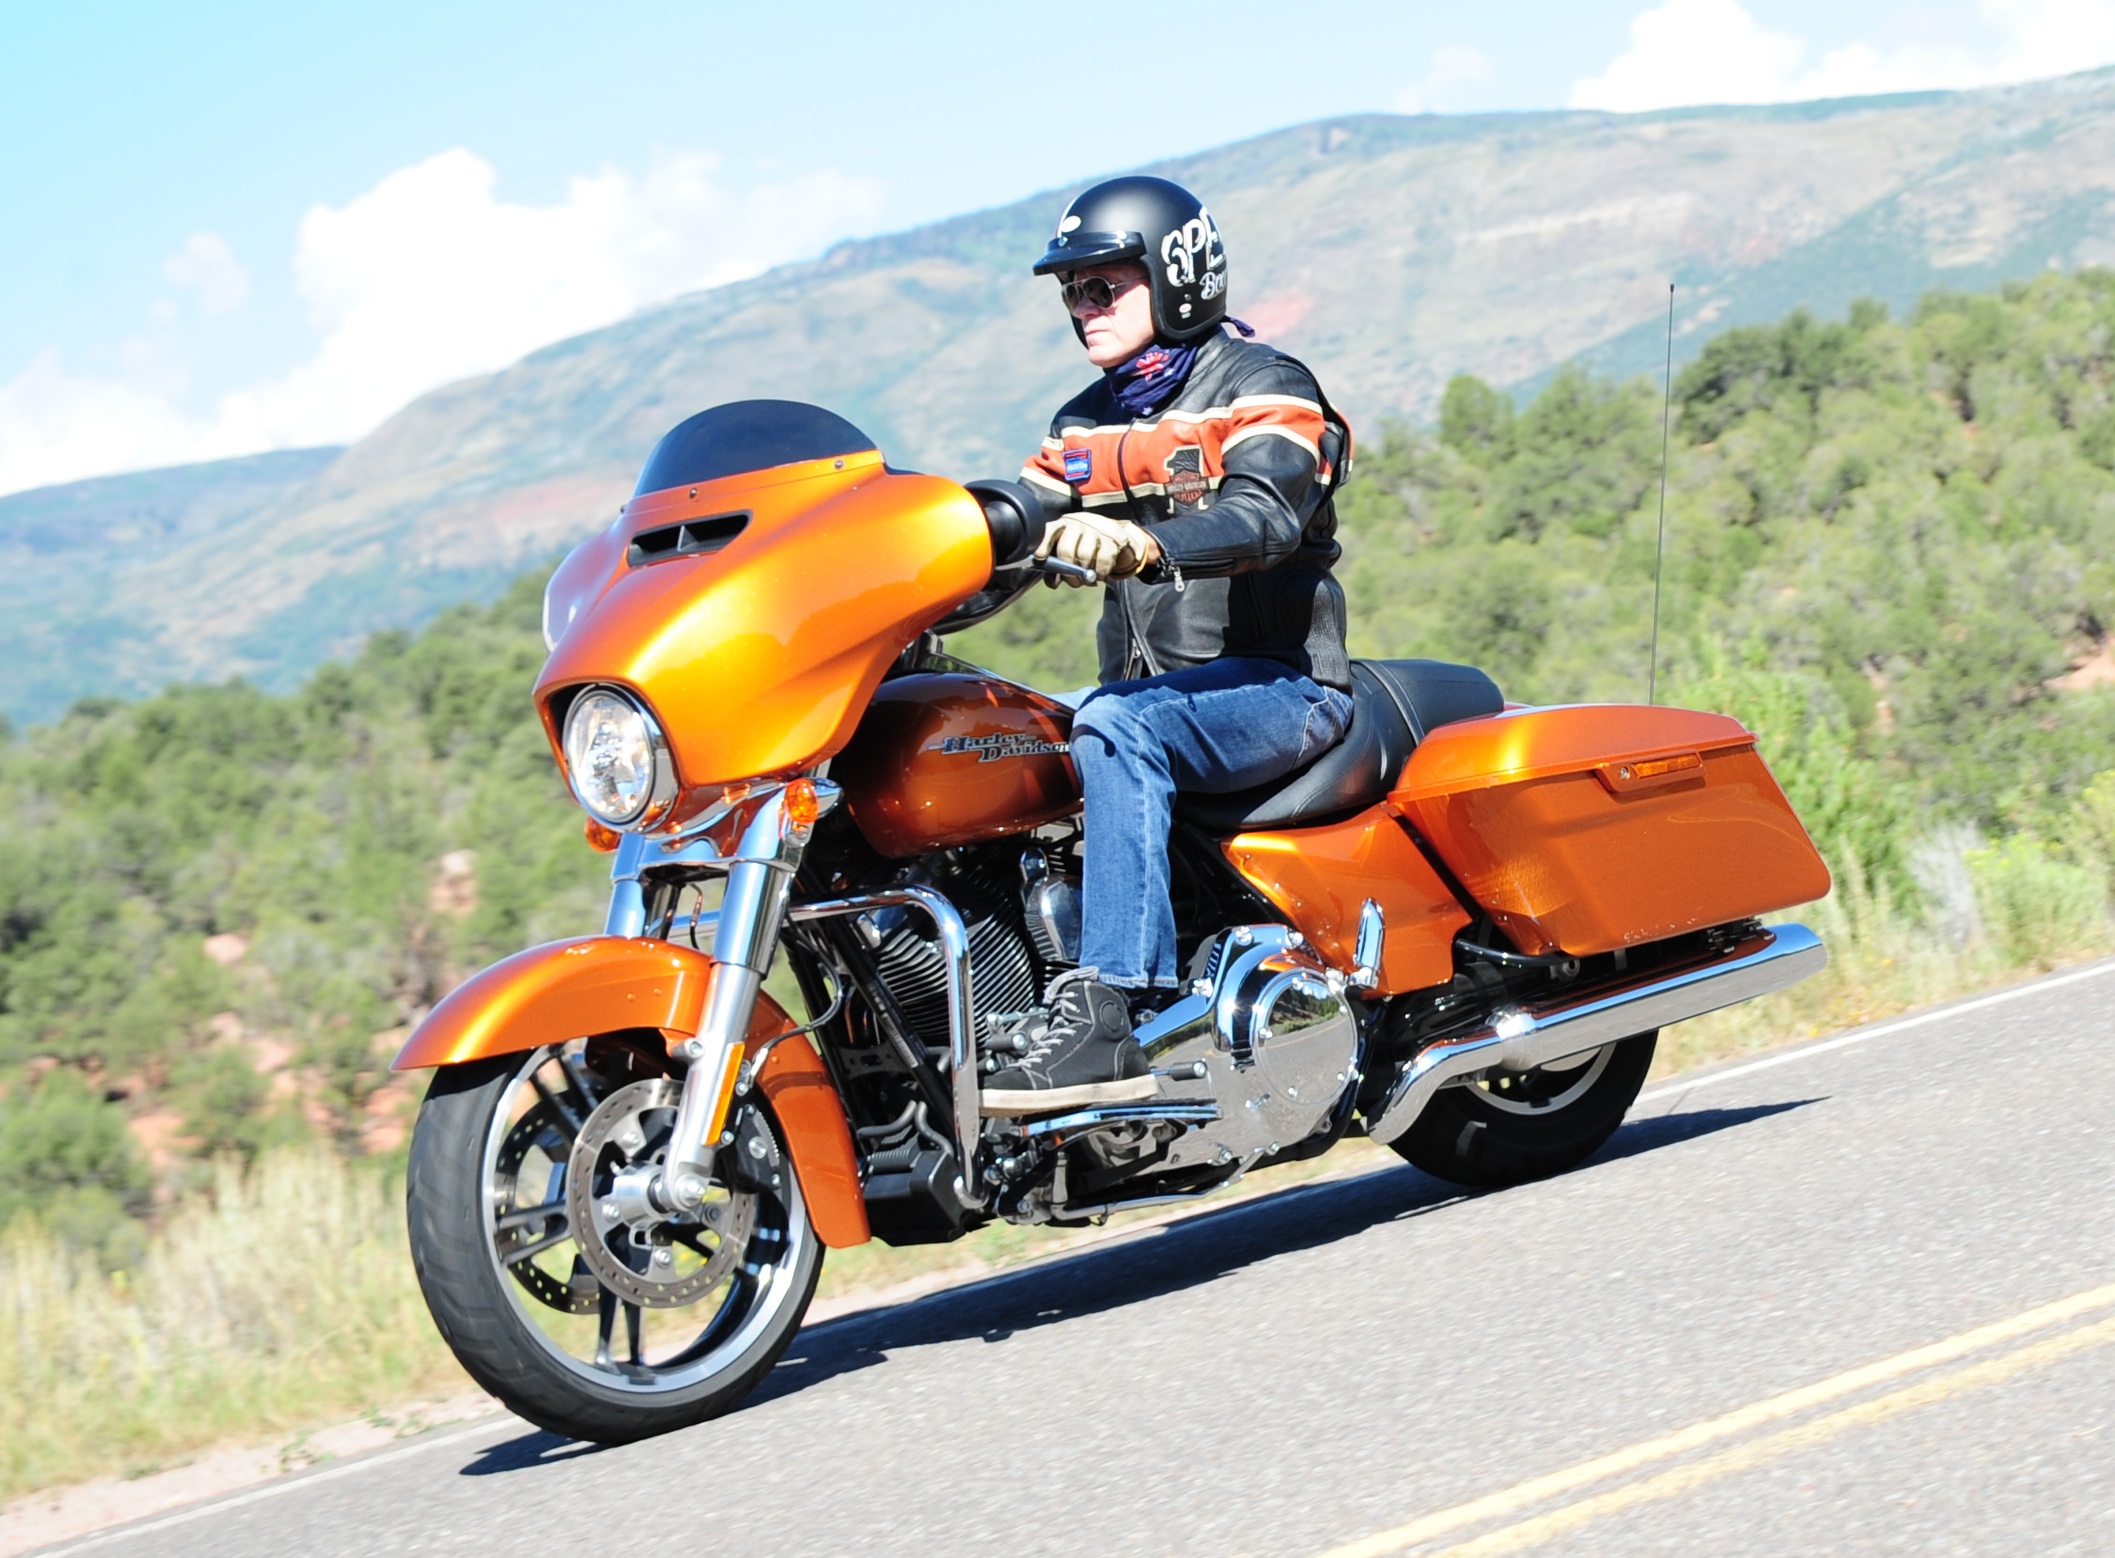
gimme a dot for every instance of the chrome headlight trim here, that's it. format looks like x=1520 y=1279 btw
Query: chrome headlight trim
x=659 y=792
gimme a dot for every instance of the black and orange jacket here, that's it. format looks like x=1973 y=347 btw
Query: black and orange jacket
x=1235 y=479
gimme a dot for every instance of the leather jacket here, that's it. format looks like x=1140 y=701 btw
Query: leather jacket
x=1235 y=478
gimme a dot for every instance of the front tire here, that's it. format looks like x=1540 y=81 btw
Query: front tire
x=492 y=1242
x=1511 y=1127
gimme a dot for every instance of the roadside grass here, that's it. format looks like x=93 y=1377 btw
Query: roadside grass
x=280 y=1299
x=1883 y=961
x=277 y=1300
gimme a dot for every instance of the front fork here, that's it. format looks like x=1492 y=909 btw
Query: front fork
x=752 y=913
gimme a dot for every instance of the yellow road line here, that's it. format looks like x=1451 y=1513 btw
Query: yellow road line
x=1536 y=1490
x=1786 y=1441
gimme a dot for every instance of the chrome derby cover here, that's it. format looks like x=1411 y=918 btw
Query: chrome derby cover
x=1276 y=1039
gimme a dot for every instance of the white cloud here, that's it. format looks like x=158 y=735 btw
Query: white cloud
x=1713 y=51
x=1453 y=67
x=426 y=278
x=55 y=426
x=1694 y=51
x=206 y=265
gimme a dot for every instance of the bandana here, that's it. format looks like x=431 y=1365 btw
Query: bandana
x=1156 y=375
x=1152 y=378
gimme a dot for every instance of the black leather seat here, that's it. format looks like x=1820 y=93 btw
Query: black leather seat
x=1394 y=703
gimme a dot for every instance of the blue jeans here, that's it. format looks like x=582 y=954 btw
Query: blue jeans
x=1213 y=728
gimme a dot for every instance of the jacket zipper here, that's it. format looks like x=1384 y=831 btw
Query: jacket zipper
x=1138 y=653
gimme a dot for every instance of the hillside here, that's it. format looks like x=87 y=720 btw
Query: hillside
x=1392 y=252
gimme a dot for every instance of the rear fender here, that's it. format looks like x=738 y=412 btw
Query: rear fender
x=599 y=984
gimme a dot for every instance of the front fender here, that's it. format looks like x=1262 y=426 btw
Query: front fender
x=562 y=990
x=598 y=984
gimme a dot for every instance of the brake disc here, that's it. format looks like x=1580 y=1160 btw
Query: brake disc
x=644 y=1256
x=537 y=1130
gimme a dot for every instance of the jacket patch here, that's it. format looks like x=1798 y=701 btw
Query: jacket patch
x=1187 y=483
x=1079 y=466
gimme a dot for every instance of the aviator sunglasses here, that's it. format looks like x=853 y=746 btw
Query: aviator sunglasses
x=1095 y=291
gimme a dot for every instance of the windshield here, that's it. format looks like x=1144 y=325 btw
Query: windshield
x=747 y=435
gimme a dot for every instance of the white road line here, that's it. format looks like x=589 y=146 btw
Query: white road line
x=284 y=1485
x=1676 y=1085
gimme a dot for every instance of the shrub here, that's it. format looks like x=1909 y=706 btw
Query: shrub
x=2035 y=906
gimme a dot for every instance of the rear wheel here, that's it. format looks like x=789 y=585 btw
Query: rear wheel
x=585 y=1323
x=1508 y=1127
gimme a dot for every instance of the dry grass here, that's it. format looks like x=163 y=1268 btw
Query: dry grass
x=280 y=1301
x=283 y=1300
x=1880 y=963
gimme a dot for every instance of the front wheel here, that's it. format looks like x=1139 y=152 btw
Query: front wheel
x=1508 y=1127
x=656 y=1325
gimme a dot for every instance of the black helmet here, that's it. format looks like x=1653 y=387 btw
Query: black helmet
x=1164 y=226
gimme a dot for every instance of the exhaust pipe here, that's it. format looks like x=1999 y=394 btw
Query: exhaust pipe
x=1520 y=1038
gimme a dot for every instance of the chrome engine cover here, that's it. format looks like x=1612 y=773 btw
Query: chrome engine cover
x=1277 y=1040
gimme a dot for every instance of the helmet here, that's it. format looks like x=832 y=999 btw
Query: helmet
x=1164 y=226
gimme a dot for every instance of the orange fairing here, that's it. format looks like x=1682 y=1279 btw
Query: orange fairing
x=1320 y=879
x=596 y=984
x=1591 y=828
x=758 y=656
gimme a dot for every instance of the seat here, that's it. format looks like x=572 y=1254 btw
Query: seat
x=1394 y=703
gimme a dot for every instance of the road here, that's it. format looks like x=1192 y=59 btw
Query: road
x=1828 y=1303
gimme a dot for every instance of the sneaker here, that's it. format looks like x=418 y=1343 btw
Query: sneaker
x=1079 y=1052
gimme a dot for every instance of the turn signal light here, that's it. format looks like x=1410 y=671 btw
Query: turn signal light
x=1652 y=772
x=601 y=838
x=801 y=806
x=1659 y=766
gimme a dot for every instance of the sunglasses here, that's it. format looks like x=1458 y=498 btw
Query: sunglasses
x=1095 y=291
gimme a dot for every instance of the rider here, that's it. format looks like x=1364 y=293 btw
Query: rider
x=1195 y=478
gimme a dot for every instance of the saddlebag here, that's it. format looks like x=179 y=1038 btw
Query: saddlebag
x=1588 y=828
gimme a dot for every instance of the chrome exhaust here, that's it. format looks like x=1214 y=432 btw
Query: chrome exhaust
x=1521 y=1038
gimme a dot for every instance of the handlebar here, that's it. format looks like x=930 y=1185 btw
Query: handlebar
x=1058 y=568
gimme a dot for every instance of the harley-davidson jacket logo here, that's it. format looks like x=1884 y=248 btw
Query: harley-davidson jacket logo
x=989 y=749
x=1187 y=483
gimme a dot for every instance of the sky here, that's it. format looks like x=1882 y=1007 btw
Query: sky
x=234 y=227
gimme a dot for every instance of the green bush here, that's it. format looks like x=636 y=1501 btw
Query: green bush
x=2037 y=907
x=67 y=1157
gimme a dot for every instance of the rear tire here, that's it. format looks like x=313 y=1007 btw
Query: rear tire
x=516 y=1347
x=1514 y=1127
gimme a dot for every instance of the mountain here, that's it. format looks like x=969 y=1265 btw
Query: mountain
x=1390 y=252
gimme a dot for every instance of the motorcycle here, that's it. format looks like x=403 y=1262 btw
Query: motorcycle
x=1458 y=932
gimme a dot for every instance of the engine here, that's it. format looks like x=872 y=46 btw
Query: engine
x=1021 y=907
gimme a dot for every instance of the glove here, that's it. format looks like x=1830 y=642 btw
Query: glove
x=1113 y=548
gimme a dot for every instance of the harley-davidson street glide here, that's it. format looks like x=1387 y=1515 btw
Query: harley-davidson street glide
x=1457 y=932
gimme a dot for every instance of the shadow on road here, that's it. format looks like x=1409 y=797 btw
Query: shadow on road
x=1667 y=1130
x=536 y=1448
x=1183 y=1255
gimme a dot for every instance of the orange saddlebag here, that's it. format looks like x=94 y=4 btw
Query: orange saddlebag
x=1588 y=828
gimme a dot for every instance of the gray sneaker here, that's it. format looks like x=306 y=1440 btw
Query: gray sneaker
x=1076 y=1051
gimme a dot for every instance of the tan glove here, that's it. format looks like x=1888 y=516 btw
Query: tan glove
x=1113 y=548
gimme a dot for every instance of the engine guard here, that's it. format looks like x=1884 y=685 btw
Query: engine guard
x=598 y=984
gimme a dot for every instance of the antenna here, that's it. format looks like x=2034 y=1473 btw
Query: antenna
x=1659 y=561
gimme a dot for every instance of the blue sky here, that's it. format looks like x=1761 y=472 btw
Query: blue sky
x=242 y=226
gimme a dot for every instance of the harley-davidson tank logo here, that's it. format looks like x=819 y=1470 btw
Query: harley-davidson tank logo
x=989 y=749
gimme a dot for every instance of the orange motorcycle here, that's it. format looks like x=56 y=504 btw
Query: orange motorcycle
x=1458 y=932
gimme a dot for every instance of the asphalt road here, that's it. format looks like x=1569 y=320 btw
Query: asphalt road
x=1878 y=1225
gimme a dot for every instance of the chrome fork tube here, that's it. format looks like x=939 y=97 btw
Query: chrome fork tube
x=752 y=913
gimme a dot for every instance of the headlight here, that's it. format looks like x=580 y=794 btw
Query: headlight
x=614 y=757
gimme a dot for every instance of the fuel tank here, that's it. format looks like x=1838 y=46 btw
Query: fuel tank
x=954 y=757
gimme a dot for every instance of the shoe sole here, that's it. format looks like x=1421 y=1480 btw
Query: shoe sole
x=1051 y=1100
